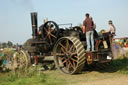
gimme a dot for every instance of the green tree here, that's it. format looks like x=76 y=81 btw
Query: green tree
x=4 y=45
x=0 y=45
x=10 y=44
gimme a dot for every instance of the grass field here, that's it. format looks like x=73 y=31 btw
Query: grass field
x=116 y=68
x=34 y=78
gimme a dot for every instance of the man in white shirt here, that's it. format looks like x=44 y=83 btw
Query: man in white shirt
x=112 y=28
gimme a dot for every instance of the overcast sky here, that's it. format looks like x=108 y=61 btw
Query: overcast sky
x=15 y=21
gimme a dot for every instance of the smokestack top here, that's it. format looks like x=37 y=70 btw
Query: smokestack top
x=33 y=12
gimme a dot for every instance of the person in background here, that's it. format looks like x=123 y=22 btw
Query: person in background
x=93 y=24
x=4 y=61
x=88 y=30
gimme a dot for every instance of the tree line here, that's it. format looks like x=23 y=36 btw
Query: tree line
x=8 y=44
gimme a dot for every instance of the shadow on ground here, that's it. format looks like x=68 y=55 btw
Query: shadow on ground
x=118 y=65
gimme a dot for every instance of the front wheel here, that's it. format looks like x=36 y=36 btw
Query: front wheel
x=20 y=61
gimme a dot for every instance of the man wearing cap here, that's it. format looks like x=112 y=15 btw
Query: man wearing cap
x=112 y=28
x=88 y=30
x=111 y=31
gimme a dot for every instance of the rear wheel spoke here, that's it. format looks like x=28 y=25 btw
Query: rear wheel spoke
x=62 y=46
x=67 y=66
x=71 y=64
x=63 y=51
x=71 y=48
x=67 y=45
x=74 y=60
x=75 y=56
x=65 y=61
x=75 y=53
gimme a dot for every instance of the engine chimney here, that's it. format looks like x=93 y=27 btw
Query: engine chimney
x=34 y=24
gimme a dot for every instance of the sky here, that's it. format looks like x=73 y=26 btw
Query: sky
x=15 y=20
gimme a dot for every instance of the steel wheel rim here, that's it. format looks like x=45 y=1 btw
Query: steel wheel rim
x=66 y=56
x=20 y=62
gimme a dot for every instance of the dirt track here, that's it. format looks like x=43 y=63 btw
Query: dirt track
x=115 y=80
x=91 y=78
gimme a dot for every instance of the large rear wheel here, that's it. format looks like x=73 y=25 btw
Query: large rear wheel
x=69 y=55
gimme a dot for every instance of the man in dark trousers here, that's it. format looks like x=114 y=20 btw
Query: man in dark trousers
x=88 y=30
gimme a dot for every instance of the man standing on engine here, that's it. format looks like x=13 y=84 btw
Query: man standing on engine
x=111 y=29
x=88 y=30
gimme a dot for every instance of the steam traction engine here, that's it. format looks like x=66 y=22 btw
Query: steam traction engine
x=68 y=46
